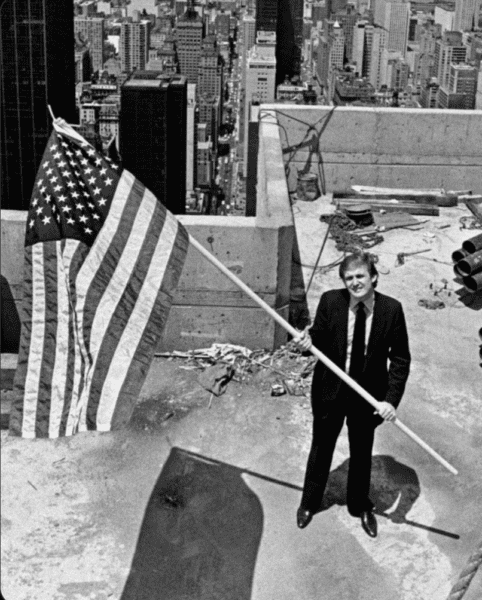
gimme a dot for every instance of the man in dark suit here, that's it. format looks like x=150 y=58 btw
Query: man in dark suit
x=364 y=333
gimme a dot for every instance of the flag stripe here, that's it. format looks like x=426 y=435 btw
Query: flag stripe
x=74 y=365
x=64 y=332
x=116 y=254
x=152 y=219
x=18 y=407
x=35 y=354
x=117 y=263
x=119 y=365
x=49 y=315
x=150 y=337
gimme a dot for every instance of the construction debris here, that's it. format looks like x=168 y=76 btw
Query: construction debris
x=286 y=363
x=401 y=255
x=215 y=379
x=430 y=303
x=277 y=389
x=346 y=238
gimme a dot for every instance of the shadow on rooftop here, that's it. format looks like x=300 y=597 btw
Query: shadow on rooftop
x=471 y=300
x=394 y=487
x=200 y=535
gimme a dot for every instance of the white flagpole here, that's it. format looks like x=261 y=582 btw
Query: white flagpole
x=319 y=355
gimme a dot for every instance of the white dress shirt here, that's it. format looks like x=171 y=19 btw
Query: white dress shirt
x=368 y=304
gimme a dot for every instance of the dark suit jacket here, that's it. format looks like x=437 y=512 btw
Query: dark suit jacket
x=388 y=343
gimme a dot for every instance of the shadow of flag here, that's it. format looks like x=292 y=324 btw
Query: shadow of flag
x=200 y=535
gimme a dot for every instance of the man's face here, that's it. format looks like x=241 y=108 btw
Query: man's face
x=358 y=282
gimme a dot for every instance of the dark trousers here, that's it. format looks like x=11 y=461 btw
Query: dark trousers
x=361 y=429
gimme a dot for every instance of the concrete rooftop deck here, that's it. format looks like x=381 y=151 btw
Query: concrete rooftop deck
x=135 y=515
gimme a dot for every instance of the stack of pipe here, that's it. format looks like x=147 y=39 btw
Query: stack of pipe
x=468 y=263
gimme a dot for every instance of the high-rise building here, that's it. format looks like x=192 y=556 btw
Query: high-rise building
x=266 y=15
x=249 y=32
x=444 y=16
x=467 y=14
x=429 y=94
x=378 y=44
x=83 y=63
x=134 y=44
x=190 y=32
x=478 y=97
x=260 y=79
x=211 y=68
x=37 y=69
x=337 y=46
x=289 y=33
x=191 y=128
x=285 y=18
x=358 y=45
x=394 y=16
x=347 y=19
x=153 y=134
x=394 y=70
x=461 y=89
x=450 y=49
x=91 y=30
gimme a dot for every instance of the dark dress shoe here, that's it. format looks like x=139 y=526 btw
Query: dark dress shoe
x=369 y=523
x=303 y=517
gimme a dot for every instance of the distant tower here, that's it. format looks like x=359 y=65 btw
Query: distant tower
x=450 y=49
x=394 y=16
x=189 y=42
x=266 y=15
x=285 y=18
x=467 y=14
x=260 y=79
x=134 y=45
x=249 y=32
x=37 y=68
x=92 y=30
x=153 y=134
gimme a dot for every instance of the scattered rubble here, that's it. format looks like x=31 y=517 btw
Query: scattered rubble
x=285 y=368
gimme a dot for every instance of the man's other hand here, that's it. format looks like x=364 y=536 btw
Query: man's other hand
x=386 y=411
x=303 y=341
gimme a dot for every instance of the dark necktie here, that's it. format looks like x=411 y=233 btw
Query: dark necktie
x=357 y=359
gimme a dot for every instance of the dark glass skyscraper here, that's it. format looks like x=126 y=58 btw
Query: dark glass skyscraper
x=153 y=134
x=285 y=17
x=37 y=68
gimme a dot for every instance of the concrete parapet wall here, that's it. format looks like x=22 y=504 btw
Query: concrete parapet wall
x=388 y=147
x=207 y=306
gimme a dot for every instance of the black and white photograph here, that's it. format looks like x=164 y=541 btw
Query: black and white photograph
x=241 y=299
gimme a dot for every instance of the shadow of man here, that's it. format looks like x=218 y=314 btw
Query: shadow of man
x=200 y=535
x=394 y=487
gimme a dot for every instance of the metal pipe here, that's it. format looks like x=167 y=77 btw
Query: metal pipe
x=474 y=282
x=473 y=244
x=459 y=255
x=456 y=270
x=471 y=264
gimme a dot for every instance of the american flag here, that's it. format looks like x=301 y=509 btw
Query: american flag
x=102 y=259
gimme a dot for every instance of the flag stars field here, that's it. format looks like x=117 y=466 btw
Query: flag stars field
x=68 y=177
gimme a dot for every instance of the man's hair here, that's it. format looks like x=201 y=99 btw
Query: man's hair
x=358 y=259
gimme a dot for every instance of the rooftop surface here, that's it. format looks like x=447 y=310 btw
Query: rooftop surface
x=197 y=499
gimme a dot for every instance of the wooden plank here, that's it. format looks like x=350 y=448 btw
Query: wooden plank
x=368 y=190
x=413 y=209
